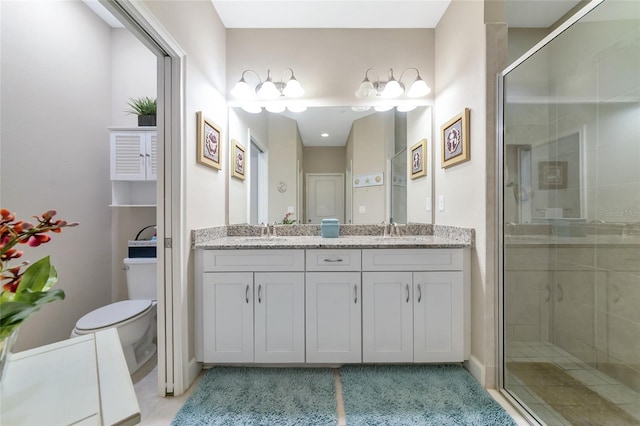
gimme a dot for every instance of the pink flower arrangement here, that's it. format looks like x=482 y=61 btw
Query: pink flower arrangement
x=287 y=219
x=25 y=291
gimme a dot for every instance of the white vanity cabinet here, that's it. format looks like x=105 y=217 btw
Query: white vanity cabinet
x=133 y=166
x=250 y=306
x=333 y=306
x=415 y=305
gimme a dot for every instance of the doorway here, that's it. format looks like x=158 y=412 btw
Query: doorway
x=325 y=197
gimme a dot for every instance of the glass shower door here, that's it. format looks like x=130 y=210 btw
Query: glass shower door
x=570 y=228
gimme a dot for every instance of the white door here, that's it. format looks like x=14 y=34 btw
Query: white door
x=333 y=317
x=387 y=317
x=228 y=318
x=438 y=302
x=325 y=197
x=279 y=316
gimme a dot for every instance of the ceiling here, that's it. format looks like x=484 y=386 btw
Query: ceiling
x=373 y=13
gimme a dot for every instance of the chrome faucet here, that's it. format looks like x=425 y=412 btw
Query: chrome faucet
x=393 y=228
x=384 y=228
x=264 y=232
x=273 y=233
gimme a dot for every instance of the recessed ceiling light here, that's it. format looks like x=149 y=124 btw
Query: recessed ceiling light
x=325 y=135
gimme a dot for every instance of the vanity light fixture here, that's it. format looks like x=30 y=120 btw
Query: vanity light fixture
x=268 y=89
x=391 y=88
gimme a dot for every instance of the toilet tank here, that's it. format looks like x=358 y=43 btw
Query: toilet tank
x=141 y=277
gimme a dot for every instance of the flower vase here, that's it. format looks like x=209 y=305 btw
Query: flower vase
x=6 y=344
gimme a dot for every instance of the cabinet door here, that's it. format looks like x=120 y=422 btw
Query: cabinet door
x=128 y=160
x=227 y=315
x=438 y=317
x=279 y=316
x=333 y=317
x=151 y=155
x=387 y=317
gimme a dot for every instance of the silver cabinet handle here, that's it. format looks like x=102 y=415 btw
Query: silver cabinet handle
x=355 y=293
x=246 y=294
x=419 y=293
x=260 y=293
x=333 y=260
x=407 y=293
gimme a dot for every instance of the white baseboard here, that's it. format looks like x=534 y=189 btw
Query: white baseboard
x=476 y=368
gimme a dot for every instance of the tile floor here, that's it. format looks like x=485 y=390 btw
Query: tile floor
x=160 y=411
x=603 y=386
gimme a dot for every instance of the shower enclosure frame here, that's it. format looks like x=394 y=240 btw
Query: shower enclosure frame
x=500 y=166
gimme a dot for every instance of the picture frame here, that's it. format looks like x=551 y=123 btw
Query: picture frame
x=552 y=174
x=455 y=140
x=209 y=143
x=238 y=159
x=418 y=159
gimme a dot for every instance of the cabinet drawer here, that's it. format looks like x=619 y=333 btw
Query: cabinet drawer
x=333 y=260
x=412 y=259
x=253 y=260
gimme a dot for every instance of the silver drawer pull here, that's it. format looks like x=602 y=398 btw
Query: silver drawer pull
x=260 y=293
x=419 y=293
x=246 y=294
x=333 y=260
x=407 y=293
x=355 y=293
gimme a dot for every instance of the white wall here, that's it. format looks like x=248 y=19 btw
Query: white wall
x=56 y=106
x=283 y=165
x=203 y=189
x=329 y=63
x=460 y=82
x=134 y=75
x=419 y=189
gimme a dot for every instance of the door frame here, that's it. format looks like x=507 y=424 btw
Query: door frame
x=174 y=371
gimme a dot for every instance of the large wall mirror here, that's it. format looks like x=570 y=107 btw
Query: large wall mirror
x=349 y=163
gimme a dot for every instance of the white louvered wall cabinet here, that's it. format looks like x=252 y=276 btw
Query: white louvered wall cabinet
x=133 y=166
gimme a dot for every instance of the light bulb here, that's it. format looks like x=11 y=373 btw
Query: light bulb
x=253 y=109
x=366 y=89
x=406 y=108
x=293 y=89
x=392 y=89
x=241 y=90
x=383 y=108
x=297 y=108
x=418 y=88
x=268 y=90
x=274 y=108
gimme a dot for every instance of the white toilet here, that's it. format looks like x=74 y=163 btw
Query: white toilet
x=135 y=318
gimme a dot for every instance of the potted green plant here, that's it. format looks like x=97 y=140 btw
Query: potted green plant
x=145 y=108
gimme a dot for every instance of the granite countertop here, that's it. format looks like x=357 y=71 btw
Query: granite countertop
x=351 y=237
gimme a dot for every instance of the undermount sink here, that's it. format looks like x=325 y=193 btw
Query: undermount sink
x=265 y=239
x=405 y=238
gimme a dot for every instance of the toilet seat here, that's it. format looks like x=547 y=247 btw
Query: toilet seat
x=113 y=314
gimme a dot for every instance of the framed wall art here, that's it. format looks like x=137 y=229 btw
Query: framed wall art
x=418 y=159
x=238 y=159
x=209 y=143
x=552 y=174
x=455 y=140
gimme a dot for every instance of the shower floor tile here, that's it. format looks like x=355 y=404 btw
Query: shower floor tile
x=561 y=389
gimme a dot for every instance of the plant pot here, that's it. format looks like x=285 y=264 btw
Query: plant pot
x=146 y=120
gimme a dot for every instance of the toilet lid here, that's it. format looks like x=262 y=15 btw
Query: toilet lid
x=112 y=314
